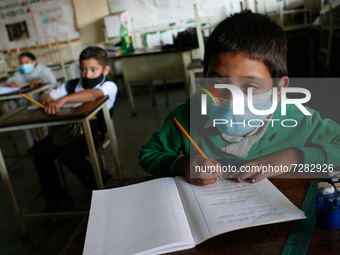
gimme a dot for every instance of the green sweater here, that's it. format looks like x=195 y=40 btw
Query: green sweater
x=318 y=139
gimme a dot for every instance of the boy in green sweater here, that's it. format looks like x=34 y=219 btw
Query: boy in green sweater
x=247 y=50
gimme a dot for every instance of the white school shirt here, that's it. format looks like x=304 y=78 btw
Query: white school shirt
x=39 y=71
x=109 y=88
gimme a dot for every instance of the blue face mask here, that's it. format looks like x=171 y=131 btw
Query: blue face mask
x=225 y=112
x=26 y=68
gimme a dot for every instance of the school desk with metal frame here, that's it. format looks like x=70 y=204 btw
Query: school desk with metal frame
x=17 y=95
x=153 y=64
x=37 y=118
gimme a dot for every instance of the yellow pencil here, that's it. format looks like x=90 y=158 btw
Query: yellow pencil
x=32 y=100
x=193 y=143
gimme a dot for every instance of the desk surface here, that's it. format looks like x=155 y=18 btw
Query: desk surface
x=39 y=116
x=267 y=239
x=142 y=52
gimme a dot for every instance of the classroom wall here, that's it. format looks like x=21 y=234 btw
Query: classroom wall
x=89 y=16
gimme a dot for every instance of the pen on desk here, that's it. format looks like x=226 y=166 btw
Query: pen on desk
x=193 y=143
x=32 y=100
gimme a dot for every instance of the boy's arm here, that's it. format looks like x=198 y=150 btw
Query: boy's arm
x=269 y=166
x=47 y=76
x=16 y=80
x=159 y=154
x=45 y=98
x=87 y=95
x=321 y=148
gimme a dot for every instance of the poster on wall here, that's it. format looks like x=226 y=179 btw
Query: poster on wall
x=17 y=31
x=54 y=20
x=18 y=27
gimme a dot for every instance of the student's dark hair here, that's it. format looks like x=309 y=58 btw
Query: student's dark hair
x=253 y=34
x=96 y=53
x=27 y=54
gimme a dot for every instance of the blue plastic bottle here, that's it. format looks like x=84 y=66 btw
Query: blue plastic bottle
x=327 y=206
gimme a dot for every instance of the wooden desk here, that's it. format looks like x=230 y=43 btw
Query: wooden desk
x=267 y=239
x=18 y=94
x=38 y=118
x=148 y=65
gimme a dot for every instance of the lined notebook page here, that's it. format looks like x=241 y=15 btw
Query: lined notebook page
x=137 y=218
x=226 y=206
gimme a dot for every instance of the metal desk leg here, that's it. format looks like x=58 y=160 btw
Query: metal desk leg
x=130 y=97
x=92 y=151
x=8 y=186
x=152 y=95
x=29 y=138
x=113 y=140
x=192 y=82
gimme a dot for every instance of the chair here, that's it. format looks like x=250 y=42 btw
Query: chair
x=54 y=57
x=290 y=11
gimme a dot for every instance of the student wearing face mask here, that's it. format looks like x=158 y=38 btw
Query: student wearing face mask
x=246 y=51
x=93 y=84
x=32 y=73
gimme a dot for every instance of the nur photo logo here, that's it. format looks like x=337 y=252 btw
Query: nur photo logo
x=251 y=110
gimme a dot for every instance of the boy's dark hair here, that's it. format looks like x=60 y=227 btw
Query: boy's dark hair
x=27 y=54
x=96 y=53
x=253 y=34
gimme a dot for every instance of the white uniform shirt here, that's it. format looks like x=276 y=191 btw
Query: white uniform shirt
x=39 y=71
x=109 y=88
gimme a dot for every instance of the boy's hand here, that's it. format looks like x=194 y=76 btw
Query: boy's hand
x=53 y=107
x=45 y=99
x=34 y=83
x=282 y=160
x=13 y=84
x=184 y=167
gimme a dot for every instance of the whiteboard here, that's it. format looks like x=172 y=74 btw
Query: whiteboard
x=153 y=13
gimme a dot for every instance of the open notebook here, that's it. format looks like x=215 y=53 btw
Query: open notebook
x=7 y=90
x=167 y=214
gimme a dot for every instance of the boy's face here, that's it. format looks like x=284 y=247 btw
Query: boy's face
x=242 y=72
x=90 y=68
x=26 y=60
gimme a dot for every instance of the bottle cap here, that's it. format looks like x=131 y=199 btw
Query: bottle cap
x=325 y=188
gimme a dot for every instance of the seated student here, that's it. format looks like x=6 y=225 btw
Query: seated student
x=31 y=72
x=253 y=48
x=92 y=85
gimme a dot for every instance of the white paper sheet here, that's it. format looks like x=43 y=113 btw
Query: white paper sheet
x=226 y=206
x=137 y=218
x=6 y=89
x=167 y=214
